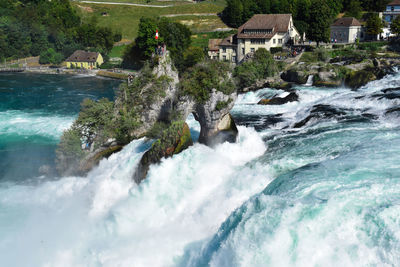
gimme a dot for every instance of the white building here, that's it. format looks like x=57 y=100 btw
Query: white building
x=392 y=11
x=261 y=31
x=347 y=30
x=265 y=31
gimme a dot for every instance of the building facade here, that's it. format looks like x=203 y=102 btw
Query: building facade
x=261 y=31
x=213 y=48
x=84 y=60
x=265 y=31
x=347 y=30
x=228 y=49
x=392 y=11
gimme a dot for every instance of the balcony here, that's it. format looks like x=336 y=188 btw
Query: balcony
x=389 y=13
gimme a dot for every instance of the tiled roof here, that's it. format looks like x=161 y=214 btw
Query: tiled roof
x=83 y=56
x=346 y=22
x=264 y=26
x=213 y=44
x=229 y=41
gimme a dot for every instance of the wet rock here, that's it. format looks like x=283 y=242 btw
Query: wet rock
x=356 y=79
x=320 y=112
x=295 y=76
x=173 y=140
x=280 y=100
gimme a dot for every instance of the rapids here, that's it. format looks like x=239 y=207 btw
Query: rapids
x=309 y=183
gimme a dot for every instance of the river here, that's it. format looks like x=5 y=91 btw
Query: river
x=309 y=183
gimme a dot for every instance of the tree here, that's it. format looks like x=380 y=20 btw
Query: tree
x=50 y=56
x=146 y=41
x=192 y=56
x=395 y=26
x=233 y=13
x=354 y=10
x=374 y=25
x=319 y=21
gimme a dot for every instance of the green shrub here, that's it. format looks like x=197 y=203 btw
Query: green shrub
x=275 y=50
x=223 y=104
x=322 y=54
x=372 y=46
x=202 y=78
x=260 y=67
x=50 y=56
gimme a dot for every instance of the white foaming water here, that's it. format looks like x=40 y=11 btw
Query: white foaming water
x=335 y=201
x=19 y=123
x=107 y=220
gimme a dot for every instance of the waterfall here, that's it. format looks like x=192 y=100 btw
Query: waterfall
x=309 y=80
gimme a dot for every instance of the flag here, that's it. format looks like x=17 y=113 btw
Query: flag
x=156 y=34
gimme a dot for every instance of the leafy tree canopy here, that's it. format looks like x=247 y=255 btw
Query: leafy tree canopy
x=31 y=27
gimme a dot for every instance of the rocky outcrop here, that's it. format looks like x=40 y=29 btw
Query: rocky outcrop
x=280 y=100
x=294 y=76
x=359 y=78
x=173 y=140
x=155 y=97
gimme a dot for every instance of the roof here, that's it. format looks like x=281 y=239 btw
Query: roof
x=213 y=44
x=394 y=3
x=346 y=22
x=83 y=56
x=272 y=23
x=229 y=41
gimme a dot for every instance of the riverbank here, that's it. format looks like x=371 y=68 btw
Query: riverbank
x=113 y=74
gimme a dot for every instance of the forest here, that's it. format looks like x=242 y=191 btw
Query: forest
x=51 y=29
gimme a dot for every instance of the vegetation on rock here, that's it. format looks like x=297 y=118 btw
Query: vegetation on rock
x=359 y=78
x=261 y=66
x=174 y=35
x=200 y=80
x=172 y=141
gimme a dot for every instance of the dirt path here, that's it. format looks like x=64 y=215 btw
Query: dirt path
x=189 y=14
x=123 y=4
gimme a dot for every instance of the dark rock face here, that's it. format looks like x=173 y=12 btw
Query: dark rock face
x=294 y=76
x=173 y=140
x=280 y=100
x=320 y=112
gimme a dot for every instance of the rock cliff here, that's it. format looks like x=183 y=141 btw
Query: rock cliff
x=156 y=100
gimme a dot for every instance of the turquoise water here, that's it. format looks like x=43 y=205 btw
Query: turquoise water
x=34 y=111
x=309 y=183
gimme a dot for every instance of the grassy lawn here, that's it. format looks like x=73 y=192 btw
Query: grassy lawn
x=126 y=18
x=201 y=39
x=117 y=51
x=201 y=23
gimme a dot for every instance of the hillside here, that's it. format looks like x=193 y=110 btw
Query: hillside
x=121 y=15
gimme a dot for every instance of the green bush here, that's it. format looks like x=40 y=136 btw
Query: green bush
x=260 y=67
x=372 y=46
x=202 y=78
x=275 y=50
x=222 y=104
x=50 y=56
x=322 y=54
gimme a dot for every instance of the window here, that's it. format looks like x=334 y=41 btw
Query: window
x=234 y=59
x=274 y=41
x=243 y=50
x=257 y=41
x=392 y=8
x=252 y=49
x=280 y=41
x=224 y=57
x=224 y=49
